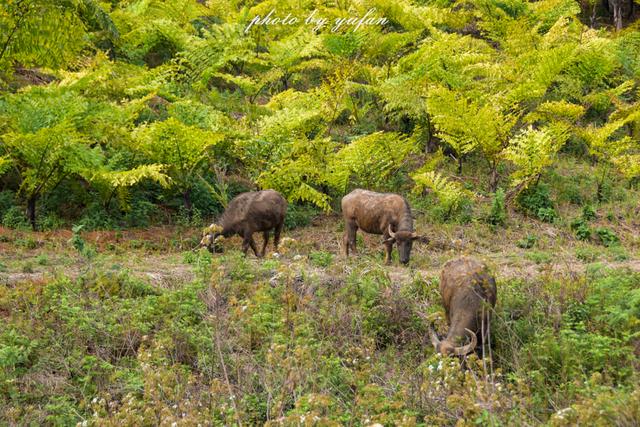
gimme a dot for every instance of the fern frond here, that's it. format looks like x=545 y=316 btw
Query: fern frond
x=296 y=177
x=369 y=160
x=5 y=164
x=533 y=150
x=449 y=193
x=92 y=13
x=130 y=178
x=628 y=164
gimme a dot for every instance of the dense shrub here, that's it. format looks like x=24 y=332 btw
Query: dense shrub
x=299 y=215
x=7 y=201
x=498 y=213
x=606 y=236
x=536 y=202
x=14 y=218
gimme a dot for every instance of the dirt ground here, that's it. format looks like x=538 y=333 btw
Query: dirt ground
x=157 y=254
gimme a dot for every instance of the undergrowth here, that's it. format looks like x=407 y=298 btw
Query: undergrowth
x=281 y=344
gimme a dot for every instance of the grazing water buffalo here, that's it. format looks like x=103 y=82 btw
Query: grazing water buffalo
x=247 y=213
x=468 y=294
x=379 y=213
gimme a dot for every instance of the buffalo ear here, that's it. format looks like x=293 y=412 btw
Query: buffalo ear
x=421 y=239
x=389 y=240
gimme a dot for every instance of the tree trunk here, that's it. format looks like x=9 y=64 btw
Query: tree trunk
x=616 y=8
x=431 y=145
x=617 y=14
x=31 y=211
x=493 y=178
x=599 y=192
x=186 y=196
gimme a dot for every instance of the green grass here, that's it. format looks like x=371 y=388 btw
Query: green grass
x=290 y=337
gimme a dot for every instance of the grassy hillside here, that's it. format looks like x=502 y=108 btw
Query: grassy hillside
x=133 y=327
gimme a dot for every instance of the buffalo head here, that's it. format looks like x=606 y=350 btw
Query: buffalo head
x=212 y=239
x=404 y=241
x=448 y=347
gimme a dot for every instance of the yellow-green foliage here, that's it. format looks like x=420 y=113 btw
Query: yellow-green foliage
x=533 y=150
x=293 y=107
x=298 y=175
x=45 y=33
x=5 y=163
x=45 y=156
x=608 y=142
x=181 y=149
x=450 y=193
x=370 y=160
x=466 y=124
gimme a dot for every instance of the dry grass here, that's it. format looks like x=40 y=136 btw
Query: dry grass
x=156 y=254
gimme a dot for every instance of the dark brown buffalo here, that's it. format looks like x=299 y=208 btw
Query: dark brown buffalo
x=468 y=294
x=247 y=213
x=378 y=213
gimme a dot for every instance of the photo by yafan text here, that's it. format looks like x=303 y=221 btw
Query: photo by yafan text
x=318 y=22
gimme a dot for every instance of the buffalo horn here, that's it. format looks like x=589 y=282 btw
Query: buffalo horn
x=466 y=349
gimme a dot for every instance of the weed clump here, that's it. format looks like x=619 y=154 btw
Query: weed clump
x=536 y=202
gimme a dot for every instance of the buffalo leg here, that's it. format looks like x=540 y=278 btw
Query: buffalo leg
x=345 y=243
x=249 y=242
x=276 y=235
x=265 y=235
x=245 y=245
x=388 y=247
x=349 y=239
x=252 y=243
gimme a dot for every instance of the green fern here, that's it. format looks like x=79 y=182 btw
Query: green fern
x=370 y=160
x=532 y=151
x=450 y=194
x=5 y=164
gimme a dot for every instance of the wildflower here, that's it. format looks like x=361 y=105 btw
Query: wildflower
x=563 y=412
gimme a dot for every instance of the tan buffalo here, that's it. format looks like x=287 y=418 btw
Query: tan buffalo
x=379 y=213
x=468 y=294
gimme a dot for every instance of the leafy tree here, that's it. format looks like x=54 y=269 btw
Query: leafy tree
x=45 y=158
x=183 y=150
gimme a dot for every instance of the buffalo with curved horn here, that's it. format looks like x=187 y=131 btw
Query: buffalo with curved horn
x=468 y=294
x=379 y=213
